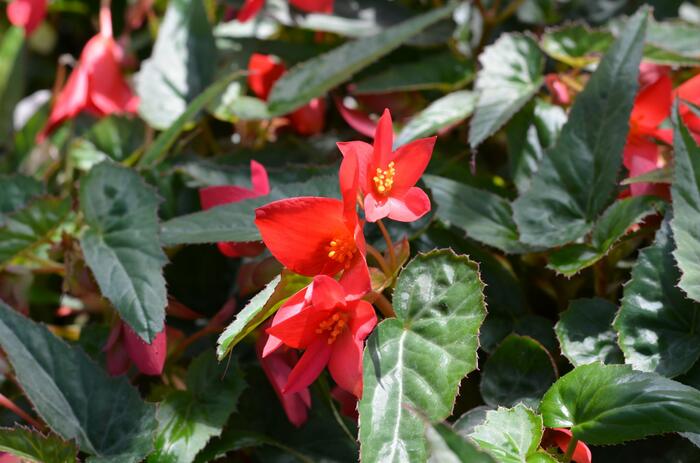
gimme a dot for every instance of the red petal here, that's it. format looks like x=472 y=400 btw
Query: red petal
x=364 y=319
x=356 y=119
x=561 y=437
x=310 y=118
x=264 y=70
x=107 y=89
x=244 y=249
x=308 y=368
x=299 y=331
x=383 y=140
x=27 y=14
x=290 y=308
x=71 y=100
x=259 y=179
x=689 y=91
x=348 y=402
x=148 y=358
x=650 y=73
x=653 y=104
x=410 y=207
x=363 y=153
x=223 y=194
x=298 y=231
x=250 y=9
x=349 y=178
x=327 y=294
x=376 y=209
x=355 y=280
x=314 y=6
x=410 y=162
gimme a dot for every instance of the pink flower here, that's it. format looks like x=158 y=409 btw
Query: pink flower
x=27 y=14
x=125 y=347
x=251 y=8
x=558 y=90
x=387 y=177
x=96 y=85
x=224 y=194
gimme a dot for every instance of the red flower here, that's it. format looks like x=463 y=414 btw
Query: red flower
x=225 y=194
x=277 y=367
x=690 y=91
x=27 y=14
x=331 y=325
x=319 y=236
x=347 y=401
x=124 y=347
x=252 y=7
x=557 y=88
x=387 y=177
x=96 y=84
x=561 y=437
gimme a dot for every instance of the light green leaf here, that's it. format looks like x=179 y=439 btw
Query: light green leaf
x=121 y=245
x=446 y=446
x=686 y=206
x=519 y=370
x=511 y=74
x=611 y=404
x=576 y=44
x=181 y=66
x=611 y=227
x=659 y=328
x=12 y=80
x=483 y=215
x=316 y=76
x=188 y=419
x=34 y=446
x=578 y=177
x=439 y=306
x=74 y=396
x=585 y=333
x=441 y=113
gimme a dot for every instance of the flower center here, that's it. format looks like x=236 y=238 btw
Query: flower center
x=333 y=325
x=384 y=179
x=341 y=250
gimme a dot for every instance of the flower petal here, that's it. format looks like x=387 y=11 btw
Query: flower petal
x=376 y=209
x=314 y=6
x=263 y=72
x=290 y=308
x=355 y=279
x=249 y=10
x=410 y=207
x=653 y=104
x=308 y=368
x=148 y=358
x=259 y=179
x=383 y=140
x=299 y=331
x=363 y=152
x=310 y=118
x=327 y=294
x=356 y=119
x=223 y=194
x=410 y=162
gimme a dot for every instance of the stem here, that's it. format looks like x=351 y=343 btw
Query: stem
x=105 y=19
x=384 y=306
x=325 y=390
x=509 y=11
x=570 y=449
x=380 y=259
x=8 y=404
x=389 y=243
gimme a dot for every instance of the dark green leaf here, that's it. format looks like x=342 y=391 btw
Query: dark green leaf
x=686 y=207
x=660 y=175
x=576 y=44
x=585 y=332
x=17 y=191
x=439 y=305
x=74 y=396
x=181 y=66
x=578 y=177
x=316 y=76
x=12 y=80
x=519 y=370
x=34 y=446
x=659 y=328
x=611 y=404
x=676 y=36
x=446 y=446
x=511 y=74
x=121 y=245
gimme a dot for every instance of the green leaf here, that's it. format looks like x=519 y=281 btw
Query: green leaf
x=446 y=446
x=659 y=329
x=17 y=191
x=483 y=215
x=611 y=227
x=511 y=74
x=439 y=306
x=585 y=333
x=660 y=175
x=441 y=113
x=74 y=396
x=316 y=76
x=12 y=79
x=576 y=44
x=578 y=177
x=188 y=419
x=181 y=66
x=29 y=444
x=121 y=245
x=686 y=206
x=259 y=309
x=512 y=435
x=441 y=71
x=611 y=404
x=519 y=370
x=23 y=231
x=675 y=36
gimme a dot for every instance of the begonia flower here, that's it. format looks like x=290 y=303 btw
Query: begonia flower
x=387 y=178
x=251 y=8
x=27 y=14
x=347 y=401
x=124 y=347
x=331 y=326
x=224 y=194
x=96 y=85
x=561 y=437
x=558 y=89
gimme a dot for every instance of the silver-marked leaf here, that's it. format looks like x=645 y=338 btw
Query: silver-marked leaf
x=446 y=446
x=36 y=447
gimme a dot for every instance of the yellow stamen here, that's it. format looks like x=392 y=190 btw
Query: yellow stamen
x=384 y=179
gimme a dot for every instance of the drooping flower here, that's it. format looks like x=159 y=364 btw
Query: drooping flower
x=557 y=88
x=125 y=347
x=263 y=72
x=560 y=437
x=312 y=235
x=277 y=367
x=251 y=8
x=224 y=194
x=347 y=401
x=96 y=85
x=331 y=326
x=387 y=178
x=27 y=14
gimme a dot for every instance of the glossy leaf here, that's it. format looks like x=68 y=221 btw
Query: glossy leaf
x=585 y=333
x=446 y=446
x=110 y=422
x=35 y=446
x=686 y=206
x=511 y=74
x=659 y=327
x=576 y=44
x=519 y=370
x=439 y=305
x=181 y=66
x=318 y=75
x=442 y=113
x=611 y=404
x=577 y=179
x=121 y=245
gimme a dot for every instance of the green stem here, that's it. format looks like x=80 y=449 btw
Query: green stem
x=570 y=449
x=389 y=243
